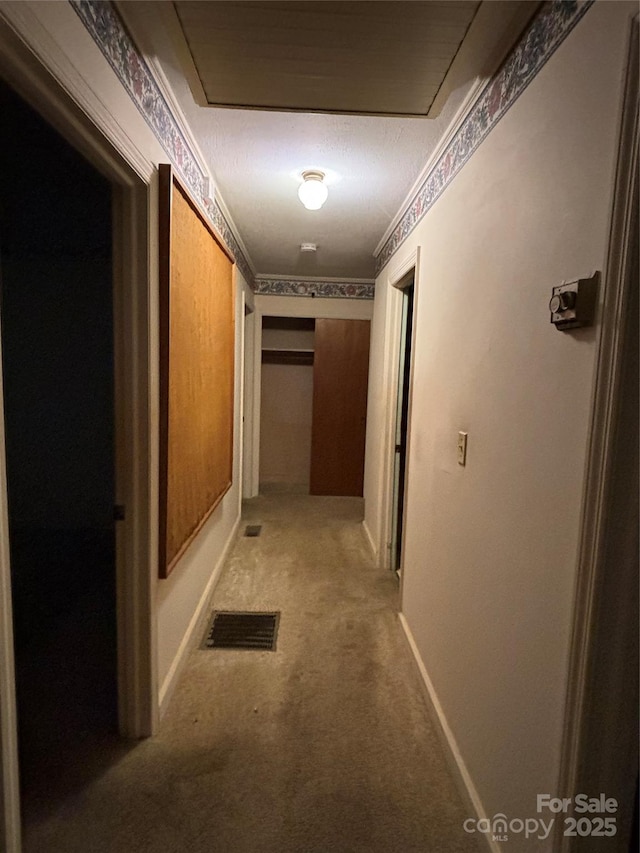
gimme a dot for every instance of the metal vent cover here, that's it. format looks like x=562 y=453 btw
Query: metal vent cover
x=253 y=530
x=242 y=630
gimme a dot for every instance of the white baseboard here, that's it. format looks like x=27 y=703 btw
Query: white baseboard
x=452 y=752
x=367 y=532
x=179 y=661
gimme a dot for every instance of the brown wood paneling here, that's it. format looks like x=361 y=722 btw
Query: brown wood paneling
x=340 y=378
x=196 y=370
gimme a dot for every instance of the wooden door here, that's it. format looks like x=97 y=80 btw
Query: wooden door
x=340 y=378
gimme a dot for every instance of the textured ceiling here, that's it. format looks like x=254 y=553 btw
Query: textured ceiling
x=355 y=57
x=372 y=162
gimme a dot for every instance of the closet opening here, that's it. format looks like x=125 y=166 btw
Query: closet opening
x=313 y=405
x=286 y=409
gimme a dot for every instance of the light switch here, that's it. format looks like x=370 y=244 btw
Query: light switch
x=462 y=448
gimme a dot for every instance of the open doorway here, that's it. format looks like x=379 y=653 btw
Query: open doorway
x=313 y=405
x=58 y=370
x=402 y=422
x=286 y=406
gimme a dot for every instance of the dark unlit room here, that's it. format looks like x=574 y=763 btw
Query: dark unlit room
x=319 y=426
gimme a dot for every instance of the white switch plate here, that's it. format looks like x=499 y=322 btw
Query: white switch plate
x=462 y=448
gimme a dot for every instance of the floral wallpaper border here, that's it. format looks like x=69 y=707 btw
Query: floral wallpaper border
x=265 y=286
x=546 y=32
x=107 y=29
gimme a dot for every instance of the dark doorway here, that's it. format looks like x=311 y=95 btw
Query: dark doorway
x=57 y=357
x=402 y=424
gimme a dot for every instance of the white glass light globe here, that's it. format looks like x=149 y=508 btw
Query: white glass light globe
x=312 y=192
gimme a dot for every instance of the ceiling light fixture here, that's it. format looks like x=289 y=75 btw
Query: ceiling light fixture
x=312 y=192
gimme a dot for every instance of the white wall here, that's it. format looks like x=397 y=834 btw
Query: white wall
x=286 y=410
x=491 y=549
x=288 y=339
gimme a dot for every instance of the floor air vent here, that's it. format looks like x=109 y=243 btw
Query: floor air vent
x=253 y=530
x=229 y=630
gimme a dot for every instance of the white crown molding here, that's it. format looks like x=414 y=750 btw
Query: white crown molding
x=142 y=42
x=155 y=101
x=169 y=95
x=313 y=278
x=27 y=26
x=141 y=39
x=483 y=23
x=438 y=151
x=485 y=105
x=495 y=28
x=170 y=17
x=232 y=225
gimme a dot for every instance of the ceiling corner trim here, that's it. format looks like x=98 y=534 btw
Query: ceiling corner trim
x=170 y=16
x=175 y=109
x=108 y=30
x=234 y=239
x=492 y=33
x=461 y=113
x=541 y=39
x=314 y=287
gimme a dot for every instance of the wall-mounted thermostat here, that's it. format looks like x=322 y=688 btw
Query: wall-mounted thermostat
x=573 y=304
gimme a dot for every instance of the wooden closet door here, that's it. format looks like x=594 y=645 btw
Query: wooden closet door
x=340 y=378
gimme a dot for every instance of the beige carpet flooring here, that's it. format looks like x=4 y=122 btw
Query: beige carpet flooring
x=323 y=745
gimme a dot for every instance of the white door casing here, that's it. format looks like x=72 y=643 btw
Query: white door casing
x=392 y=341
x=33 y=64
x=600 y=744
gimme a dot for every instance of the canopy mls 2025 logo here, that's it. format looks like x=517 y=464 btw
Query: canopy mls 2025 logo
x=582 y=816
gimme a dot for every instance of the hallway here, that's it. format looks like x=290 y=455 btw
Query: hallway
x=324 y=745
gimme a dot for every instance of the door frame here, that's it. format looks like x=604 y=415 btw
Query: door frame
x=404 y=348
x=131 y=175
x=289 y=306
x=598 y=634
x=248 y=380
x=10 y=787
x=397 y=278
